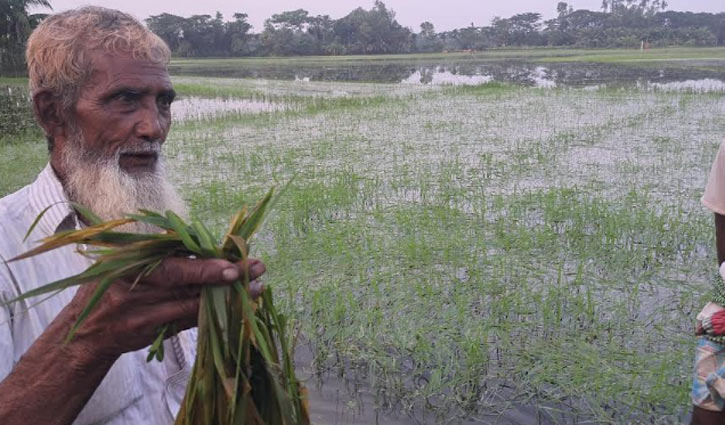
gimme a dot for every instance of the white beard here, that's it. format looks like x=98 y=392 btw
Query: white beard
x=101 y=185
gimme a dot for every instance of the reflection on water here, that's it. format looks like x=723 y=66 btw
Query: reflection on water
x=442 y=76
x=541 y=78
x=705 y=85
x=544 y=75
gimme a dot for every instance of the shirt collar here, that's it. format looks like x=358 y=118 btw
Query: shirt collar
x=47 y=192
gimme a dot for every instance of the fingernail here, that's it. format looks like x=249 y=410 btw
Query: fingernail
x=231 y=274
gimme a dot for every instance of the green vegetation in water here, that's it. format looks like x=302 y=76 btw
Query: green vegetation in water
x=468 y=250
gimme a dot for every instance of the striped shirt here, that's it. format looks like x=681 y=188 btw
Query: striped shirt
x=133 y=391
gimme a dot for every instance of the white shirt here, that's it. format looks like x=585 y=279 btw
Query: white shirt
x=714 y=196
x=133 y=391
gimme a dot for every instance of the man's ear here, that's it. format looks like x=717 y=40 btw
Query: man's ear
x=47 y=107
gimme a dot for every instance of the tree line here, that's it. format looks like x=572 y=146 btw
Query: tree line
x=619 y=23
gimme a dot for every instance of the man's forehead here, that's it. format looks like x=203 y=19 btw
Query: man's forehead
x=109 y=69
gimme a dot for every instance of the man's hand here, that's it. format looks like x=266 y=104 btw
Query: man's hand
x=128 y=317
x=53 y=380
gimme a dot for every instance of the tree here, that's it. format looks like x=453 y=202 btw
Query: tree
x=289 y=33
x=621 y=23
x=373 y=31
x=168 y=27
x=427 y=30
x=427 y=40
x=238 y=33
x=15 y=27
x=563 y=9
x=642 y=7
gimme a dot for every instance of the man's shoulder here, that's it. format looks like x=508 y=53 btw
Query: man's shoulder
x=14 y=219
x=14 y=208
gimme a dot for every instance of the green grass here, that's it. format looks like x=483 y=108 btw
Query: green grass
x=468 y=249
x=627 y=56
x=13 y=81
x=544 y=54
x=20 y=163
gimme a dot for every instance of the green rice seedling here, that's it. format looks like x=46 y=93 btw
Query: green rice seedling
x=243 y=373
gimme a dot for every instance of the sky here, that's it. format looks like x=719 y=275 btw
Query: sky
x=444 y=14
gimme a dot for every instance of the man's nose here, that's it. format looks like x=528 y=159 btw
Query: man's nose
x=150 y=124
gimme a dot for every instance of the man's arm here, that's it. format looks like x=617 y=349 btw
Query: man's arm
x=720 y=237
x=54 y=380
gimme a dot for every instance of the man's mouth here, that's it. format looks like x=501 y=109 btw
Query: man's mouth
x=138 y=161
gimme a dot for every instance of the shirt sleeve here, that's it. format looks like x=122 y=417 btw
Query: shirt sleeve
x=714 y=197
x=7 y=347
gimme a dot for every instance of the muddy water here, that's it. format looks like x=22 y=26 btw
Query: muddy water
x=335 y=400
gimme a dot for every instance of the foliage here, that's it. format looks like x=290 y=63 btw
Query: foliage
x=15 y=27
x=621 y=23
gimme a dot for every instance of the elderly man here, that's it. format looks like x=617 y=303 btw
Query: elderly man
x=102 y=95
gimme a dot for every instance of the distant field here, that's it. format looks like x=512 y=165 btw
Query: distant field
x=539 y=54
x=469 y=250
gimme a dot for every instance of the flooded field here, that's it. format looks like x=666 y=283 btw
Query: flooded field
x=536 y=68
x=475 y=251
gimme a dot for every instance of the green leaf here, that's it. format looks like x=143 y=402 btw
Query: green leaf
x=255 y=219
x=205 y=238
x=88 y=215
x=37 y=220
x=74 y=237
x=92 y=273
x=213 y=338
x=178 y=225
x=103 y=285
x=158 y=221
x=218 y=297
x=157 y=348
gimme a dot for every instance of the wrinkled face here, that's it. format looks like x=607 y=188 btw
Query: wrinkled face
x=110 y=156
x=124 y=110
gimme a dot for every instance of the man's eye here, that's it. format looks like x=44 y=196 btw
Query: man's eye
x=127 y=98
x=165 y=102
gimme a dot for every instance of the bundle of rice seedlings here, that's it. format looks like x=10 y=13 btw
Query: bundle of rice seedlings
x=243 y=372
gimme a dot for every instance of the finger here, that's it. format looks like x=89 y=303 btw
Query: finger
x=180 y=312
x=253 y=267
x=184 y=271
x=256 y=288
